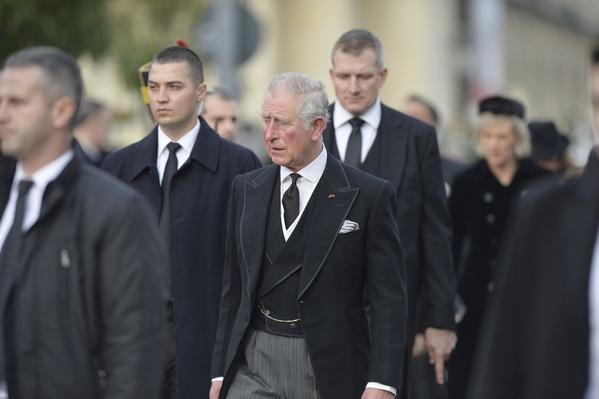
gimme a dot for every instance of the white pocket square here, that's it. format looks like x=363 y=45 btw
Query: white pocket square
x=349 y=226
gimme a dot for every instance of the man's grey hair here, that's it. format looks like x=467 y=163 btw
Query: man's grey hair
x=60 y=70
x=314 y=103
x=355 y=41
x=519 y=128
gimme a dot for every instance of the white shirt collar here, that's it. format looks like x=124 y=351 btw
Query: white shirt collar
x=46 y=174
x=312 y=172
x=372 y=116
x=187 y=141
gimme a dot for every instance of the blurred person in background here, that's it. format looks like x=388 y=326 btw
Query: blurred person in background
x=480 y=203
x=420 y=108
x=220 y=111
x=91 y=132
x=185 y=169
x=82 y=271
x=365 y=133
x=421 y=374
x=541 y=339
x=549 y=147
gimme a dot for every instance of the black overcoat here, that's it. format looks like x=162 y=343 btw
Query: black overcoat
x=199 y=196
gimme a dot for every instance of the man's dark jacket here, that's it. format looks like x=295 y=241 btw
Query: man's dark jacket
x=339 y=272
x=199 y=196
x=410 y=160
x=535 y=342
x=83 y=313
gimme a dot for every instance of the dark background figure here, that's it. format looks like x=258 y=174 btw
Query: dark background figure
x=541 y=339
x=422 y=378
x=185 y=169
x=220 y=111
x=91 y=132
x=480 y=204
x=82 y=282
x=311 y=241
x=549 y=147
x=386 y=143
x=424 y=110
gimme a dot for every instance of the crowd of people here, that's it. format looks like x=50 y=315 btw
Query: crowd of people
x=358 y=263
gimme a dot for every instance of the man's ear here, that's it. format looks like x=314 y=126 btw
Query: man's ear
x=318 y=126
x=201 y=92
x=63 y=112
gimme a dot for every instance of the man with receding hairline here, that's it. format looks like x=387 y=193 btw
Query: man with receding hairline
x=220 y=111
x=185 y=169
x=82 y=272
x=311 y=243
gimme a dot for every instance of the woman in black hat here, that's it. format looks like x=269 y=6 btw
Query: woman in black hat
x=479 y=205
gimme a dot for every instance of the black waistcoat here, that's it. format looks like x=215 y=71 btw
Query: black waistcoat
x=372 y=163
x=281 y=266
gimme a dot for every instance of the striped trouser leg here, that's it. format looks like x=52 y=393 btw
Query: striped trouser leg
x=274 y=367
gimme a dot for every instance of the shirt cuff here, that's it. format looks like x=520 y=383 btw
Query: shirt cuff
x=218 y=379
x=387 y=388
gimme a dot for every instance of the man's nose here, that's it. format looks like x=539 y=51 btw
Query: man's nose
x=354 y=85
x=162 y=95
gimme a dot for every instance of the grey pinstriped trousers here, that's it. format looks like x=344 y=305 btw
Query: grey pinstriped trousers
x=274 y=367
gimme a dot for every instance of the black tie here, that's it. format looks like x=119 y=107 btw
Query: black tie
x=13 y=239
x=291 y=201
x=353 y=153
x=10 y=254
x=169 y=171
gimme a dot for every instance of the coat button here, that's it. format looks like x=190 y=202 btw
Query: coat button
x=292 y=325
x=490 y=218
x=488 y=197
x=65 y=259
x=101 y=373
x=267 y=312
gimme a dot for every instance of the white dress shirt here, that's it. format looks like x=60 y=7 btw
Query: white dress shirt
x=593 y=386
x=306 y=183
x=33 y=203
x=187 y=142
x=341 y=118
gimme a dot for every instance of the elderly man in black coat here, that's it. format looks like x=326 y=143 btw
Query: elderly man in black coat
x=311 y=244
x=185 y=169
x=81 y=266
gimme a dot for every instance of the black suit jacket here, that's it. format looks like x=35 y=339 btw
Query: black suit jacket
x=411 y=162
x=535 y=342
x=339 y=272
x=199 y=196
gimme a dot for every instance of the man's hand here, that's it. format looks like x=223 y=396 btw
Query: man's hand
x=419 y=346
x=439 y=344
x=215 y=389
x=373 y=393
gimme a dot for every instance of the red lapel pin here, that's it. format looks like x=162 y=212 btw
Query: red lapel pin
x=331 y=195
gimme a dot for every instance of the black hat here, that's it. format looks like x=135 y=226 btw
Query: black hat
x=501 y=106
x=546 y=140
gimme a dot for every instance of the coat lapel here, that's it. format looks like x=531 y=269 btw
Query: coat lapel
x=395 y=145
x=254 y=216
x=334 y=198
